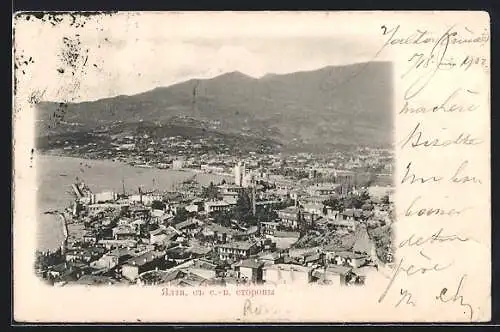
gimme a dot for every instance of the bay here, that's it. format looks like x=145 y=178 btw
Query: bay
x=56 y=174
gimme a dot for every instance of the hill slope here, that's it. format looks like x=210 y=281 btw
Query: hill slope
x=346 y=105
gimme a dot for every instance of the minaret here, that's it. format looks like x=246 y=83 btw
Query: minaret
x=254 y=207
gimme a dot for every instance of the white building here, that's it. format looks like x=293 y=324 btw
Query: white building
x=216 y=206
x=177 y=164
x=239 y=174
x=102 y=197
x=287 y=274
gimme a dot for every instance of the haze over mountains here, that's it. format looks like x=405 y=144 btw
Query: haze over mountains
x=336 y=105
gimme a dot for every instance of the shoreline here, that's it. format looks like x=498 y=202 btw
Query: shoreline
x=53 y=198
x=64 y=228
x=119 y=162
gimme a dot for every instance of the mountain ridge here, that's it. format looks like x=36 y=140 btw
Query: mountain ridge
x=349 y=104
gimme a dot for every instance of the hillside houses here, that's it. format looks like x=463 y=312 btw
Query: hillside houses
x=274 y=230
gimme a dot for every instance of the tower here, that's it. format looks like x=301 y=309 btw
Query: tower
x=254 y=205
x=239 y=173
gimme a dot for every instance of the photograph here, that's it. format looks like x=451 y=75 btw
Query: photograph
x=233 y=155
x=235 y=167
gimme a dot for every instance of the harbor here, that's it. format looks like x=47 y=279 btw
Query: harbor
x=54 y=192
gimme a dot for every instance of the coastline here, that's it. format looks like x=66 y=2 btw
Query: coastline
x=56 y=173
x=122 y=163
x=64 y=227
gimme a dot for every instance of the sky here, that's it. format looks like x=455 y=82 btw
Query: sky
x=129 y=53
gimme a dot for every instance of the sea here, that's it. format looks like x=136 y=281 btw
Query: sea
x=56 y=174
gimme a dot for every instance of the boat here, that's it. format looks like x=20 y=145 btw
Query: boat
x=63 y=174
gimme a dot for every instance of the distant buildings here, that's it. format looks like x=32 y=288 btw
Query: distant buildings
x=295 y=218
x=237 y=250
x=145 y=262
x=217 y=206
x=177 y=164
x=287 y=274
x=285 y=234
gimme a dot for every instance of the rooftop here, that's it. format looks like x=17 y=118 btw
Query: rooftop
x=290 y=209
x=250 y=263
x=145 y=258
x=337 y=269
x=217 y=203
x=350 y=254
x=288 y=267
x=94 y=280
x=242 y=245
x=287 y=234
x=186 y=223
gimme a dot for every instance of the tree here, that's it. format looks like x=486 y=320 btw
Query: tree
x=158 y=205
x=243 y=208
x=180 y=215
x=385 y=199
x=211 y=192
x=365 y=196
x=222 y=218
x=265 y=215
x=334 y=203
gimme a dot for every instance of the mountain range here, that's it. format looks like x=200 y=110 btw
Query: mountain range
x=335 y=105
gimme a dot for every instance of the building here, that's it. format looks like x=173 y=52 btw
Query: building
x=229 y=189
x=287 y=274
x=177 y=164
x=158 y=235
x=314 y=208
x=103 y=197
x=271 y=258
x=236 y=250
x=217 y=169
x=192 y=208
x=323 y=189
x=334 y=275
x=222 y=234
x=347 y=225
x=145 y=262
x=285 y=240
x=124 y=232
x=189 y=227
x=90 y=237
x=294 y=218
x=107 y=243
x=352 y=214
x=349 y=258
x=217 y=206
x=239 y=174
x=289 y=217
x=268 y=228
x=103 y=207
x=250 y=269
x=346 y=180
x=85 y=255
x=146 y=199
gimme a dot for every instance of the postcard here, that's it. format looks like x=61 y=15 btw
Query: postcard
x=183 y=167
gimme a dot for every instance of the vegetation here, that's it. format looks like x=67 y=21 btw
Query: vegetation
x=158 y=205
x=210 y=192
x=180 y=215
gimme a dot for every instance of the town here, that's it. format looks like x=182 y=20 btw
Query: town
x=277 y=219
